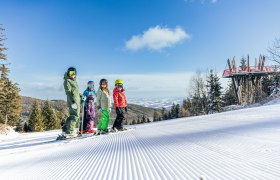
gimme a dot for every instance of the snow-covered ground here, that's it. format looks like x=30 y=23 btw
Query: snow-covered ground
x=241 y=144
x=7 y=133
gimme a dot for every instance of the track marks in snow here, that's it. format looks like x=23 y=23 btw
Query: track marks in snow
x=214 y=147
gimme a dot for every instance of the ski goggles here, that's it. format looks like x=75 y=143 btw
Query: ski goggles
x=104 y=83
x=91 y=85
x=119 y=85
x=71 y=73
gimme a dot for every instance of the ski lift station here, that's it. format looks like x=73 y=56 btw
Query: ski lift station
x=247 y=79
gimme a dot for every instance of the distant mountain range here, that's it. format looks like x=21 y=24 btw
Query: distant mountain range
x=134 y=111
x=156 y=103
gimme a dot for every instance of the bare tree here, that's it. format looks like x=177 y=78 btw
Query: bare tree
x=274 y=51
x=198 y=94
x=197 y=84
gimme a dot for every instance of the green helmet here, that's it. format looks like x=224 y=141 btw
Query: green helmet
x=71 y=70
x=118 y=81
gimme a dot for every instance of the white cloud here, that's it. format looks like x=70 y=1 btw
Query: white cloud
x=157 y=38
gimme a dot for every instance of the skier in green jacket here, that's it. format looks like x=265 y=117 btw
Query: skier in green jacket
x=73 y=102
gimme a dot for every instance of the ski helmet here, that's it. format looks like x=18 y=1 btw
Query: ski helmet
x=103 y=80
x=71 y=69
x=90 y=84
x=118 y=81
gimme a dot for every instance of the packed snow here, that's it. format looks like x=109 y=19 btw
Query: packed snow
x=274 y=101
x=241 y=144
x=7 y=133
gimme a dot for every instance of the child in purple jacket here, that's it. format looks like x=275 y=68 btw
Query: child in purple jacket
x=89 y=116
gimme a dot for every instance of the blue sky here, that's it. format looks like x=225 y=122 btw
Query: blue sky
x=154 y=45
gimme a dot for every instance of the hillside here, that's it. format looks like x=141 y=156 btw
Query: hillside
x=241 y=144
x=133 y=110
x=27 y=102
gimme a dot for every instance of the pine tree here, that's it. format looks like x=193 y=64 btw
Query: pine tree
x=274 y=87
x=197 y=105
x=186 y=103
x=20 y=127
x=35 y=122
x=49 y=117
x=164 y=114
x=10 y=100
x=177 y=111
x=169 y=115
x=173 y=111
x=62 y=113
x=125 y=122
x=144 y=119
x=186 y=108
x=133 y=122
x=156 y=116
x=243 y=64
x=266 y=85
x=61 y=117
x=184 y=113
x=3 y=56
x=245 y=97
x=26 y=127
x=229 y=97
x=214 y=93
x=204 y=105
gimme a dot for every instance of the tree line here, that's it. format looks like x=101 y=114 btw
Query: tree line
x=206 y=95
x=140 y=120
x=43 y=118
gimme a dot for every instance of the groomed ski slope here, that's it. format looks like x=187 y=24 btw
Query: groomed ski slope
x=243 y=144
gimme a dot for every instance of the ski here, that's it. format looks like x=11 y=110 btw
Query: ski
x=114 y=131
x=62 y=137
x=87 y=135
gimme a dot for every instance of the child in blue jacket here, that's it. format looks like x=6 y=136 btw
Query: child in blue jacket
x=89 y=109
x=90 y=90
x=89 y=115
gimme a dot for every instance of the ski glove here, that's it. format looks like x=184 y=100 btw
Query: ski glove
x=74 y=106
x=83 y=98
